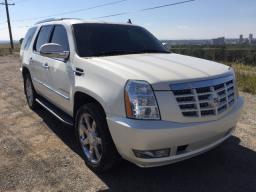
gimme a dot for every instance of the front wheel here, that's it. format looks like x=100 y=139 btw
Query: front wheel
x=94 y=139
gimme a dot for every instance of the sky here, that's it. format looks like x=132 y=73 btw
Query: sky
x=200 y=19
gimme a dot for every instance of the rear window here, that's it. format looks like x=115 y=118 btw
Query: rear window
x=43 y=36
x=28 y=38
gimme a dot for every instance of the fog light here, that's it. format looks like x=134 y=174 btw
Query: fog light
x=152 y=153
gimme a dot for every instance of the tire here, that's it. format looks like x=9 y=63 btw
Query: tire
x=92 y=132
x=30 y=92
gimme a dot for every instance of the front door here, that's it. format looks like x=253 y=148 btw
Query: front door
x=60 y=71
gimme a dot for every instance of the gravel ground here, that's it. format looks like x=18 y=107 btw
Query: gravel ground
x=38 y=153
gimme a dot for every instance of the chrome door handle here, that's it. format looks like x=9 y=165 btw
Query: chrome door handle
x=30 y=60
x=45 y=65
x=78 y=71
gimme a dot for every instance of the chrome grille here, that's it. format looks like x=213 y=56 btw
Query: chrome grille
x=205 y=98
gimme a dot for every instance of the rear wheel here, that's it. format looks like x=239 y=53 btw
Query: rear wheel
x=94 y=139
x=30 y=92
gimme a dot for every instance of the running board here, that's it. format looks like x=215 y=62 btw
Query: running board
x=63 y=117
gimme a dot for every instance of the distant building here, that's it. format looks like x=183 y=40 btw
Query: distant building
x=218 y=41
x=241 y=39
x=188 y=42
x=231 y=41
x=250 y=38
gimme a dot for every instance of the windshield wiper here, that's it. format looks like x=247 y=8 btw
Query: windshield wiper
x=121 y=52
x=114 y=53
x=152 y=51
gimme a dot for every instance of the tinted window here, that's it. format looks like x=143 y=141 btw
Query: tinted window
x=60 y=37
x=28 y=38
x=111 y=39
x=43 y=36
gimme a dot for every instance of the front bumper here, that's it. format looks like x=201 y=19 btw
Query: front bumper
x=200 y=137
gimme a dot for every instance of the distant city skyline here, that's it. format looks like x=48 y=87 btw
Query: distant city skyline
x=236 y=39
x=201 y=19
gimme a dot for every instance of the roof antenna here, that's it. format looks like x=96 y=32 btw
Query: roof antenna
x=129 y=21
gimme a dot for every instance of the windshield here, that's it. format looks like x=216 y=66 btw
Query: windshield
x=113 y=39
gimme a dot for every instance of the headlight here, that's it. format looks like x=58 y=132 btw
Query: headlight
x=140 y=101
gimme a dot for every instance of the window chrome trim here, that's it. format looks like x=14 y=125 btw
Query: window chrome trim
x=51 y=89
x=201 y=83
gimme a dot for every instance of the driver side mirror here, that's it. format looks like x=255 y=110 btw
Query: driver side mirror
x=54 y=51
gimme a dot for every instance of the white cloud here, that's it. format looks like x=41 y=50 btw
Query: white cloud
x=17 y=33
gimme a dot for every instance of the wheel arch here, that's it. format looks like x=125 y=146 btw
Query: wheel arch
x=80 y=98
x=25 y=71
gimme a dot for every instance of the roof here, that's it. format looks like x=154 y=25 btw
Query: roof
x=72 y=21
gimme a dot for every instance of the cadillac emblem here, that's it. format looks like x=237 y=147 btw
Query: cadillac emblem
x=214 y=100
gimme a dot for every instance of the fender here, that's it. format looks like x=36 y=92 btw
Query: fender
x=92 y=94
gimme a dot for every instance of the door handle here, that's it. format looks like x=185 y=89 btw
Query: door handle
x=78 y=72
x=45 y=65
x=30 y=60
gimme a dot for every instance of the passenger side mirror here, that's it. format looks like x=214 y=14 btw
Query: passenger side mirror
x=53 y=50
x=21 y=40
x=166 y=46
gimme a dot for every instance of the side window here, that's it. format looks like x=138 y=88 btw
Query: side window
x=28 y=38
x=43 y=37
x=60 y=37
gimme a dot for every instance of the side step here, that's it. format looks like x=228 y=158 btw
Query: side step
x=63 y=117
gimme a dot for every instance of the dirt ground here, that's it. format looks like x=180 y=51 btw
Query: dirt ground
x=38 y=153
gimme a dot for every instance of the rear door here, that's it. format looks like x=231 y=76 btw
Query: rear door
x=60 y=71
x=38 y=63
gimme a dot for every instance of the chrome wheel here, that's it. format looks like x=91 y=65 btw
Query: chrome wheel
x=29 y=92
x=90 y=141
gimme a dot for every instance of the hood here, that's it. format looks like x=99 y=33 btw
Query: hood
x=160 y=70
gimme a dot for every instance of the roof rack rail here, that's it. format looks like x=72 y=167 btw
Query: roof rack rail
x=52 y=19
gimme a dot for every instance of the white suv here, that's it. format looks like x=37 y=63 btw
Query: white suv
x=125 y=95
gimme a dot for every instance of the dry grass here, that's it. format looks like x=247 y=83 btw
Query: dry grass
x=5 y=49
x=246 y=77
